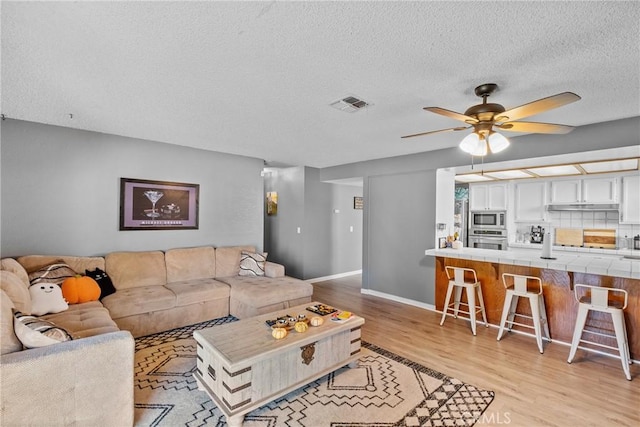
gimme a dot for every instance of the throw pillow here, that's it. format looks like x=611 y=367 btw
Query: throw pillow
x=104 y=281
x=46 y=298
x=252 y=264
x=34 y=332
x=51 y=273
x=80 y=289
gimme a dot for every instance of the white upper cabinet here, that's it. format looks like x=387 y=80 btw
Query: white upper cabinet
x=600 y=190
x=588 y=190
x=530 y=200
x=566 y=191
x=630 y=206
x=488 y=197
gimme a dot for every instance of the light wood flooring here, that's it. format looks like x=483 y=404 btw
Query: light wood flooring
x=532 y=389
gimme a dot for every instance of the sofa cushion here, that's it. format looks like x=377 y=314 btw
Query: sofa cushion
x=78 y=263
x=84 y=320
x=252 y=264
x=139 y=300
x=190 y=263
x=263 y=291
x=16 y=268
x=272 y=269
x=136 y=269
x=36 y=332
x=198 y=290
x=55 y=273
x=9 y=342
x=17 y=290
x=228 y=260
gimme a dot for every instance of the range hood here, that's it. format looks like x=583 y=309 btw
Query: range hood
x=585 y=207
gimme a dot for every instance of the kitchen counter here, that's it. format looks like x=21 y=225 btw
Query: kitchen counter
x=611 y=263
x=609 y=269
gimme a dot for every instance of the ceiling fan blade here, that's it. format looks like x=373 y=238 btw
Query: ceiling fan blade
x=535 y=127
x=452 y=114
x=436 y=131
x=537 y=107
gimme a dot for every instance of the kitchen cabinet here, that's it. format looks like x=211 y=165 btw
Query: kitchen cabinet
x=630 y=203
x=529 y=200
x=566 y=191
x=600 y=190
x=588 y=190
x=488 y=197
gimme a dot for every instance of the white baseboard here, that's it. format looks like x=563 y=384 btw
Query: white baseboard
x=334 y=276
x=398 y=299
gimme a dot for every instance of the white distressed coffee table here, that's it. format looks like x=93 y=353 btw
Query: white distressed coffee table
x=242 y=367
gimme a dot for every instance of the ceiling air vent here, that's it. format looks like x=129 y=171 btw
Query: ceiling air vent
x=350 y=104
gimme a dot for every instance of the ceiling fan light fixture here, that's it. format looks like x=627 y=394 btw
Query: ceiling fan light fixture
x=474 y=145
x=497 y=142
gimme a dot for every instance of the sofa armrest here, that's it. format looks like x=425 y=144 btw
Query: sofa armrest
x=88 y=381
x=271 y=269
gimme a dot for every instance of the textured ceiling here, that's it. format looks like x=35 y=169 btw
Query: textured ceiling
x=257 y=78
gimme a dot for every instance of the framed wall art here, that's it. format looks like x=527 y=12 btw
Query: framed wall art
x=158 y=205
x=272 y=203
x=358 y=203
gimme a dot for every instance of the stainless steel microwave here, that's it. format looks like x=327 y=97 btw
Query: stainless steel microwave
x=488 y=219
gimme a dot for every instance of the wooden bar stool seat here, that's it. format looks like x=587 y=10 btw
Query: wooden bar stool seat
x=529 y=287
x=457 y=282
x=596 y=298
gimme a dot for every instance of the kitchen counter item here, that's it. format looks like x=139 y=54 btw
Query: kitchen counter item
x=569 y=237
x=537 y=234
x=600 y=238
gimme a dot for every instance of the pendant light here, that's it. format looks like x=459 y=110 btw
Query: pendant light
x=477 y=144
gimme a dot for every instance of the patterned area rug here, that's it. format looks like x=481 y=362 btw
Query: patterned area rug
x=384 y=390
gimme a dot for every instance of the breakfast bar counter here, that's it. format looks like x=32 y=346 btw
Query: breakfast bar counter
x=558 y=277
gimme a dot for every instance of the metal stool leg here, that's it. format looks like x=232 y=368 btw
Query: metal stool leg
x=624 y=325
x=543 y=312
x=456 y=300
x=577 y=332
x=534 y=302
x=471 y=299
x=621 y=338
x=505 y=312
x=482 y=310
x=512 y=311
x=447 y=301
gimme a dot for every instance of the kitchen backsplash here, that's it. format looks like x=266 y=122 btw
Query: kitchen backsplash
x=571 y=219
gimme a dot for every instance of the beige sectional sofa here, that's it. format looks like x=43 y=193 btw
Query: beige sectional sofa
x=81 y=381
x=157 y=291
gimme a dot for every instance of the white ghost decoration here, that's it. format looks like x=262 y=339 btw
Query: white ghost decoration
x=46 y=298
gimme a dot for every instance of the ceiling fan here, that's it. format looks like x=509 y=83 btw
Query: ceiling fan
x=483 y=118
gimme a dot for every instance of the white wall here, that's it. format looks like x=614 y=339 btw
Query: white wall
x=445 y=197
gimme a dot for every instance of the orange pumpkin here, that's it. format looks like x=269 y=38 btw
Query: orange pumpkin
x=80 y=289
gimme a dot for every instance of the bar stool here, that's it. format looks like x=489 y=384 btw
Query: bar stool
x=523 y=286
x=457 y=281
x=596 y=298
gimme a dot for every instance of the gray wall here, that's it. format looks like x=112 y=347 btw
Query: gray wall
x=317 y=226
x=346 y=245
x=61 y=192
x=400 y=209
x=325 y=246
x=282 y=242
